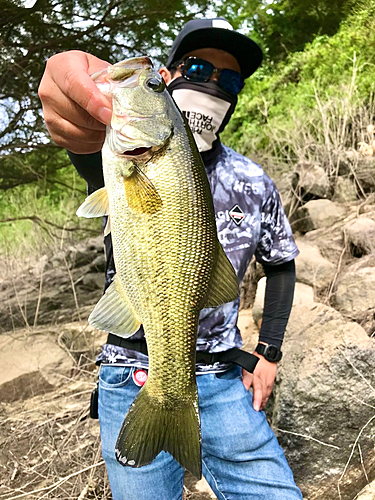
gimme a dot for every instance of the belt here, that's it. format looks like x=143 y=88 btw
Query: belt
x=234 y=355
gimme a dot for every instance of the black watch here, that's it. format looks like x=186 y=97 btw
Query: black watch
x=270 y=352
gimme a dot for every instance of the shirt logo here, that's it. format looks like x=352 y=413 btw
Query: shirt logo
x=236 y=214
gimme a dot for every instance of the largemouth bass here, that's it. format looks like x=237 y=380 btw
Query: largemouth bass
x=169 y=262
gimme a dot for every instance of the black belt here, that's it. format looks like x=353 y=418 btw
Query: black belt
x=234 y=355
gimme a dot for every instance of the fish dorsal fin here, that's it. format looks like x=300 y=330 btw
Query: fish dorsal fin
x=140 y=193
x=113 y=313
x=95 y=205
x=223 y=285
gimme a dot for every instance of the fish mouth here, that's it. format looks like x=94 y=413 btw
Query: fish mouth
x=136 y=151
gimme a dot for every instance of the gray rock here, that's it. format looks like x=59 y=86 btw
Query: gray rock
x=360 y=235
x=345 y=190
x=317 y=214
x=311 y=180
x=355 y=290
x=312 y=268
x=93 y=281
x=303 y=294
x=28 y=364
x=323 y=402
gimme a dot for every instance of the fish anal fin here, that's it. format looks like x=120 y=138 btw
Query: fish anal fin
x=114 y=314
x=152 y=426
x=140 y=193
x=223 y=285
x=95 y=205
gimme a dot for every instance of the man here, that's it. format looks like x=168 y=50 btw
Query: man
x=242 y=460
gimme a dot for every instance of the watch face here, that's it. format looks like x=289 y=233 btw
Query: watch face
x=272 y=353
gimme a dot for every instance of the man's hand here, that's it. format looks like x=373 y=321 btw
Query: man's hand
x=261 y=381
x=75 y=111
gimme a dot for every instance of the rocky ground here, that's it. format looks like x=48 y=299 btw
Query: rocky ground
x=323 y=403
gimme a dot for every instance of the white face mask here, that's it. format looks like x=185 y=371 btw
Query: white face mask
x=206 y=107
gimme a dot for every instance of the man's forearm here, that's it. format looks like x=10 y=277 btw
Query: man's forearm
x=278 y=302
x=89 y=166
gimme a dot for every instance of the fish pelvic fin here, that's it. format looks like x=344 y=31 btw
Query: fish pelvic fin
x=113 y=313
x=95 y=205
x=223 y=285
x=140 y=193
x=151 y=426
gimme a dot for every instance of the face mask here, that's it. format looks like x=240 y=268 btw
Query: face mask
x=206 y=107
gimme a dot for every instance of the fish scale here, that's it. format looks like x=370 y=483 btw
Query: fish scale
x=169 y=262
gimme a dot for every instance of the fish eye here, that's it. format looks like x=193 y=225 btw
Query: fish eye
x=155 y=84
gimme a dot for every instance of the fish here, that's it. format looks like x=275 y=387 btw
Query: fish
x=169 y=261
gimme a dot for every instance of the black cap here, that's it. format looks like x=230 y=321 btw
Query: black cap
x=217 y=33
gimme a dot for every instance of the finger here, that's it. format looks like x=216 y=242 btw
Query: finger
x=55 y=103
x=62 y=128
x=74 y=80
x=257 y=394
x=247 y=379
x=266 y=396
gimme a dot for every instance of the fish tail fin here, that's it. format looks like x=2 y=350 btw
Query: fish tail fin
x=151 y=426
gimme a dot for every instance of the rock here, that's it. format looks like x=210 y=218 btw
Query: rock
x=311 y=181
x=365 y=174
x=28 y=364
x=249 y=330
x=360 y=235
x=316 y=214
x=368 y=493
x=93 y=281
x=345 y=190
x=303 y=294
x=323 y=402
x=355 y=290
x=311 y=267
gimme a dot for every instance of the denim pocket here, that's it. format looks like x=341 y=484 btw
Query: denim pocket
x=112 y=376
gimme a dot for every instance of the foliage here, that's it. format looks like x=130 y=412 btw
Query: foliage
x=280 y=106
x=36 y=218
x=110 y=30
x=285 y=26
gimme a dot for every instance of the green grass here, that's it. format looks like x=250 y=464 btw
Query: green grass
x=53 y=205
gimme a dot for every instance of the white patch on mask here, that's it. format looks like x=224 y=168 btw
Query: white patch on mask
x=204 y=113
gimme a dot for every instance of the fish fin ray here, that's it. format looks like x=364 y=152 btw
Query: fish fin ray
x=95 y=205
x=114 y=314
x=151 y=427
x=223 y=285
x=140 y=193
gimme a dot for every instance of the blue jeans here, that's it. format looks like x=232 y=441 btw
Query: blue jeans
x=241 y=458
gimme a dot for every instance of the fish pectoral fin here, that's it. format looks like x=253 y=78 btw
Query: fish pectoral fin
x=113 y=313
x=140 y=193
x=151 y=425
x=223 y=285
x=95 y=205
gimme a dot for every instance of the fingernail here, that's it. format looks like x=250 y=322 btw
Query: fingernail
x=105 y=115
x=256 y=407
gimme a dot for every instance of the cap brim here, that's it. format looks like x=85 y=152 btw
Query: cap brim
x=247 y=52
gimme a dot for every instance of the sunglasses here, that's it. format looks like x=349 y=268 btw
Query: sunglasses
x=195 y=69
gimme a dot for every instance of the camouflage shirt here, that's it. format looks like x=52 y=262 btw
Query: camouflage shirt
x=250 y=221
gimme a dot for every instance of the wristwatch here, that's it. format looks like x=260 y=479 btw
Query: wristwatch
x=270 y=352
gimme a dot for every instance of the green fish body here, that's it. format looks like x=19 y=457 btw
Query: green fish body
x=169 y=262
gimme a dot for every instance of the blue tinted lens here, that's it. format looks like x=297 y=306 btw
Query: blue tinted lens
x=231 y=81
x=197 y=70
